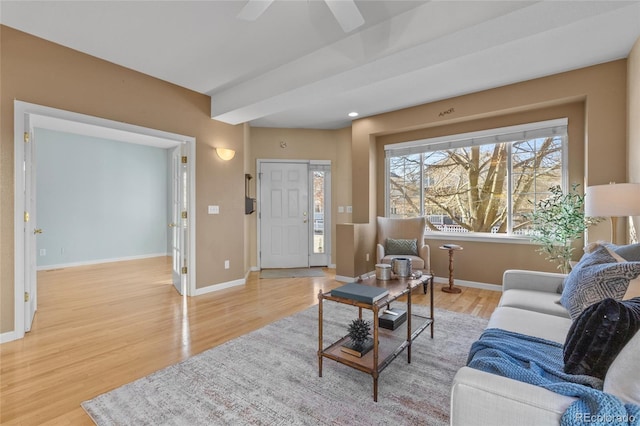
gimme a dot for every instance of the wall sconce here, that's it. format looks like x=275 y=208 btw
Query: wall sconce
x=225 y=154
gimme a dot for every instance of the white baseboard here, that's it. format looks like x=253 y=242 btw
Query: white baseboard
x=221 y=286
x=345 y=279
x=99 y=261
x=464 y=283
x=8 y=336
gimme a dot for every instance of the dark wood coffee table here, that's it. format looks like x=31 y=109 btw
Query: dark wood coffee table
x=388 y=344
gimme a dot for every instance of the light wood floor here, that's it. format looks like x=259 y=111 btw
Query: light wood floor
x=99 y=327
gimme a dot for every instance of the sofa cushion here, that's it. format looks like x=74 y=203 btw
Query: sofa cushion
x=597 y=276
x=633 y=290
x=536 y=324
x=598 y=335
x=538 y=301
x=395 y=246
x=623 y=377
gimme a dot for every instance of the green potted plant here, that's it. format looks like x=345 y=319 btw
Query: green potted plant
x=557 y=222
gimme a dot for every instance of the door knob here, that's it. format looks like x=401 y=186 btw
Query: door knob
x=37 y=231
x=172 y=225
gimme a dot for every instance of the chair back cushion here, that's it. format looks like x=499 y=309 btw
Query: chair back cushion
x=401 y=246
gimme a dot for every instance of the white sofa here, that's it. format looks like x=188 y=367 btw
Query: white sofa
x=529 y=306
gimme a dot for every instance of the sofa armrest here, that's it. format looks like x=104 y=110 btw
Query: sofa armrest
x=531 y=280
x=425 y=253
x=480 y=398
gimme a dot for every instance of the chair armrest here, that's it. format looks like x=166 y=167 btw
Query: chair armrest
x=425 y=254
x=482 y=398
x=531 y=280
x=379 y=253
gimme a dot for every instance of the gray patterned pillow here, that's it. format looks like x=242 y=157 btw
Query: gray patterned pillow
x=408 y=247
x=596 y=277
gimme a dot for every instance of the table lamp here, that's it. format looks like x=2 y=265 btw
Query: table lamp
x=613 y=201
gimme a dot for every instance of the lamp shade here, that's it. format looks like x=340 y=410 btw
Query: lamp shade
x=613 y=200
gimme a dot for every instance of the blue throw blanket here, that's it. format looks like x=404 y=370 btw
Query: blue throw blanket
x=540 y=362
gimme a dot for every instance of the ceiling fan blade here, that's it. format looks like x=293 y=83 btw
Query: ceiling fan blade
x=346 y=13
x=253 y=9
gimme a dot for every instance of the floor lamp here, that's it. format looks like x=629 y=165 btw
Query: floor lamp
x=614 y=200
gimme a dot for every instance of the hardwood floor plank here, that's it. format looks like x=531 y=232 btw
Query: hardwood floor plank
x=99 y=327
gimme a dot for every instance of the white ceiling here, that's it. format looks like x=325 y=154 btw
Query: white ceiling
x=295 y=67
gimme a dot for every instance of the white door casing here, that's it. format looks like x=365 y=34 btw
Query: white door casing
x=27 y=116
x=285 y=222
x=30 y=226
x=179 y=217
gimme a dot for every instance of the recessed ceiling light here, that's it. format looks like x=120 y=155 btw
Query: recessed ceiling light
x=353 y=114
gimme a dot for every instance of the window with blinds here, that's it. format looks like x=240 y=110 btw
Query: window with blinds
x=477 y=182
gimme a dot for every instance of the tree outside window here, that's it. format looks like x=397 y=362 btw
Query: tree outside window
x=477 y=188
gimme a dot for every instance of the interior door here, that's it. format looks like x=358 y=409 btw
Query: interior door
x=179 y=224
x=284 y=216
x=31 y=230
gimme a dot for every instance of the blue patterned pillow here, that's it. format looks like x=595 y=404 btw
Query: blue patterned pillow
x=407 y=247
x=596 y=277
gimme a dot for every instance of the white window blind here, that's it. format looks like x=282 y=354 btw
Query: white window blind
x=541 y=129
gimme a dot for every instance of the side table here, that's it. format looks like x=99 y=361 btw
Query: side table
x=451 y=248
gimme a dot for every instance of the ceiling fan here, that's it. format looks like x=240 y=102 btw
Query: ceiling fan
x=345 y=11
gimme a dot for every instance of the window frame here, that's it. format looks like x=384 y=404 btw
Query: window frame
x=499 y=135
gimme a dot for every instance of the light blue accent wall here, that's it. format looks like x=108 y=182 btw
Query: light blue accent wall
x=99 y=199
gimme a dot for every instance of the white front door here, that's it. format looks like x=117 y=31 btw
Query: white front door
x=284 y=215
x=31 y=229
x=179 y=218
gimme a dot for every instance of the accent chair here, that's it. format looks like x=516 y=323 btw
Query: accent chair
x=403 y=238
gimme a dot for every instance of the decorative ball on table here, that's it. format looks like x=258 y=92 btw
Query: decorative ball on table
x=359 y=332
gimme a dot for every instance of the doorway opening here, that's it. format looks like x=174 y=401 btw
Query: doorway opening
x=27 y=117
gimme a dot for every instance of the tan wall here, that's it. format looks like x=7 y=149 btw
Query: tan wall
x=305 y=144
x=345 y=247
x=354 y=238
x=602 y=91
x=40 y=72
x=633 y=120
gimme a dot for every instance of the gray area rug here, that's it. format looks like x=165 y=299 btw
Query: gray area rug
x=270 y=377
x=291 y=273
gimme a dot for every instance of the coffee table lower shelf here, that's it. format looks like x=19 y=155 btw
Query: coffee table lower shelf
x=391 y=343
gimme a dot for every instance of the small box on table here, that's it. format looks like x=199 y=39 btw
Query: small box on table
x=392 y=318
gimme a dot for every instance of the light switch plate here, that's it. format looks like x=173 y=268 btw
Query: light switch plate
x=340 y=209
x=214 y=209
x=349 y=209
